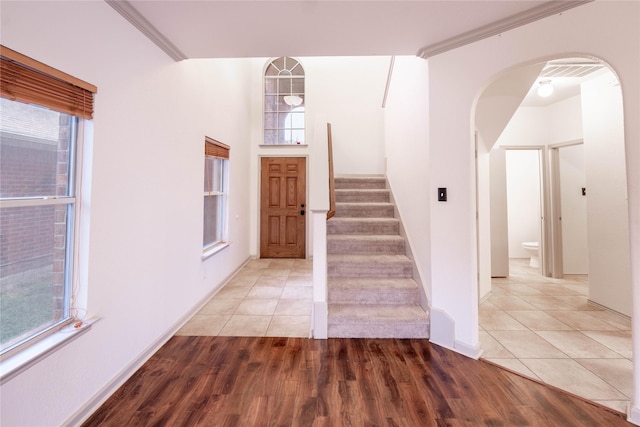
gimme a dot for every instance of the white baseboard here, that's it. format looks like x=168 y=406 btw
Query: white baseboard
x=634 y=415
x=472 y=351
x=443 y=334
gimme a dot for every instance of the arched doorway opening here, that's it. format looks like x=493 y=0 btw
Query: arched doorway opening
x=539 y=321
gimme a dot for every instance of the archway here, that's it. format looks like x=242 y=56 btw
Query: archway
x=502 y=119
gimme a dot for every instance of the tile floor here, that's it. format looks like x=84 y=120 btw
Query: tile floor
x=267 y=297
x=546 y=329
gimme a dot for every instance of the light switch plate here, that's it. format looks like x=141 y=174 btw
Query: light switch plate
x=442 y=194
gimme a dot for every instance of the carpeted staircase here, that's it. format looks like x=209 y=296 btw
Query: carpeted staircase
x=371 y=291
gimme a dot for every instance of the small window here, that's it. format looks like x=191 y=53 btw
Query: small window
x=42 y=112
x=216 y=177
x=284 y=102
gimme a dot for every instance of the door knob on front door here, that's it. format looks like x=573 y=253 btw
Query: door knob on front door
x=302 y=212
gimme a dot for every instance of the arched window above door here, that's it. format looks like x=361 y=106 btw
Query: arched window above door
x=284 y=102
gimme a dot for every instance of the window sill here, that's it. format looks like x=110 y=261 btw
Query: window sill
x=214 y=249
x=17 y=363
x=282 y=145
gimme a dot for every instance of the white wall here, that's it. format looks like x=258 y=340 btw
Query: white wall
x=528 y=126
x=523 y=199
x=348 y=91
x=407 y=151
x=501 y=99
x=608 y=221
x=563 y=121
x=539 y=126
x=145 y=272
x=574 y=210
x=453 y=95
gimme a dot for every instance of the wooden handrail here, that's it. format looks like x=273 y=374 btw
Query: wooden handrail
x=332 y=185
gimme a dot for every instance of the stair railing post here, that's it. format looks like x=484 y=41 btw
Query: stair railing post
x=318 y=207
x=320 y=309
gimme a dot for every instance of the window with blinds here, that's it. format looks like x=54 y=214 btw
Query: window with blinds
x=216 y=177
x=40 y=137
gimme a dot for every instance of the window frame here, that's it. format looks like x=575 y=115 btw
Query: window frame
x=29 y=81
x=274 y=98
x=217 y=151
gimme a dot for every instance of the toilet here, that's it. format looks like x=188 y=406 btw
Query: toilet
x=533 y=250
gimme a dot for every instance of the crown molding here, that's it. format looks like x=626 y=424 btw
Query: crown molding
x=544 y=10
x=128 y=12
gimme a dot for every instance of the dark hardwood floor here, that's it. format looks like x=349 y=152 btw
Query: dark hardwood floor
x=239 y=381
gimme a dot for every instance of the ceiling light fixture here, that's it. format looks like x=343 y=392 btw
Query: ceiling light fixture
x=545 y=89
x=291 y=99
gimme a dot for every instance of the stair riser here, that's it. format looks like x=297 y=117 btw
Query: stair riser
x=365 y=247
x=371 y=184
x=389 y=329
x=355 y=211
x=374 y=296
x=349 y=196
x=362 y=228
x=337 y=269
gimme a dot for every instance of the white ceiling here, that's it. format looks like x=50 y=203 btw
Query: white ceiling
x=262 y=28
x=232 y=29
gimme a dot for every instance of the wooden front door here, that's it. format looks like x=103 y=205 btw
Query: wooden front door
x=283 y=207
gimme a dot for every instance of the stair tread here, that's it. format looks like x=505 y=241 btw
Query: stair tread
x=367 y=237
x=363 y=219
x=361 y=178
x=359 y=204
x=362 y=191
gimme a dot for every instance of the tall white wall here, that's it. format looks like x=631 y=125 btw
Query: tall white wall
x=452 y=98
x=608 y=221
x=407 y=151
x=145 y=273
x=348 y=91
